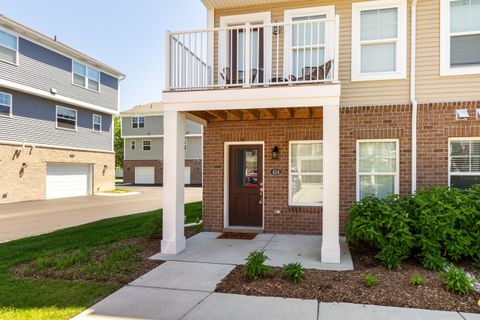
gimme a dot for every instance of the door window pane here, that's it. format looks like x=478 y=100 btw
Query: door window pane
x=247 y=168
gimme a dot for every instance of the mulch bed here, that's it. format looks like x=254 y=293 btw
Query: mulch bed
x=394 y=288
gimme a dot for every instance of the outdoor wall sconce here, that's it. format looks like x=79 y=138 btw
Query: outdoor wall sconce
x=462 y=114
x=72 y=156
x=276 y=30
x=275 y=152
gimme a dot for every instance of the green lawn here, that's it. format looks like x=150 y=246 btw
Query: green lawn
x=59 y=299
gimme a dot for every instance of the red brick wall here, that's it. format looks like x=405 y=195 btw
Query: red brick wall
x=436 y=123
x=129 y=170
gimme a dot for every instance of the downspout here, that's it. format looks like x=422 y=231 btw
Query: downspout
x=413 y=99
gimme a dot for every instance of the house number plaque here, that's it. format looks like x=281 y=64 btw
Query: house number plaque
x=275 y=172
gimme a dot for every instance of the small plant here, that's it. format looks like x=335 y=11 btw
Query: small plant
x=293 y=272
x=434 y=262
x=369 y=280
x=42 y=263
x=417 y=280
x=255 y=267
x=456 y=280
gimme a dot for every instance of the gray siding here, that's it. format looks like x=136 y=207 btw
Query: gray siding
x=194 y=149
x=41 y=68
x=154 y=126
x=34 y=121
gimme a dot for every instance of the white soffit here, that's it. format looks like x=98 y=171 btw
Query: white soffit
x=225 y=4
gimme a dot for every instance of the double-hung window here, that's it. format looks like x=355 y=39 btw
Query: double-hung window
x=66 y=118
x=5 y=104
x=147 y=145
x=8 y=47
x=460 y=37
x=132 y=144
x=138 y=122
x=305 y=173
x=86 y=77
x=379 y=42
x=464 y=162
x=97 y=123
x=377 y=167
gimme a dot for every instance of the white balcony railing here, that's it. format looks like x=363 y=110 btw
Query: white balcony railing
x=297 y=52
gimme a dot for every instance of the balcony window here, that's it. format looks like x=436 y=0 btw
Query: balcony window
x=379 y=40
x=8 y=47
x=460 y=37
x=86 y=77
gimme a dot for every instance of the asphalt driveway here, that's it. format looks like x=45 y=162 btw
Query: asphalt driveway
x=23 y=219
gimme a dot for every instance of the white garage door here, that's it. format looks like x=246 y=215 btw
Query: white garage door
x=67 y=180
x=144 y=175
x=187 y=175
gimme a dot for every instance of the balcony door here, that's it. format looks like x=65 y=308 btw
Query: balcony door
x=244 y=49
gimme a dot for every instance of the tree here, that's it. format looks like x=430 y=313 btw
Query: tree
x=118 y=143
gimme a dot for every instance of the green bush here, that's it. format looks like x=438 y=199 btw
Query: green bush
x=440 y=224
x=456 y=280
x=417 y=280
x=255 y=267
x=369 y=280
x=293 y=272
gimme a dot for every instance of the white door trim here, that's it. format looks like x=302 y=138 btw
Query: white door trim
x=226 y=181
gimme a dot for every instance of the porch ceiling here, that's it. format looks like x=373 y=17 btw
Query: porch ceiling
x=259 y=114
x=225 y=4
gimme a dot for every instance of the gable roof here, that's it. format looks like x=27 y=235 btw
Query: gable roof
x=153 y=108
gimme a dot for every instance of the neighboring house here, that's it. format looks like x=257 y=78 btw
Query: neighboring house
x=56 y=108
x=142 y=130
x=308 y=106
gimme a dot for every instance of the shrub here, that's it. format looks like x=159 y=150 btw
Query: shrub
x=417 y=280
x=255 y=267
x=293 y=272
x=456 y=280
x=369 y=280
x=434 y=262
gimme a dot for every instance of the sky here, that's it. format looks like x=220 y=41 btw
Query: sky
x=128 y=35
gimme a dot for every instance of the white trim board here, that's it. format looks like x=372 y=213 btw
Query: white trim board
x=40 y=145
x=44 y=94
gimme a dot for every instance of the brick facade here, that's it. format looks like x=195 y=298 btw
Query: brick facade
x=129 y=170
x=436 y=123
x=30 y=183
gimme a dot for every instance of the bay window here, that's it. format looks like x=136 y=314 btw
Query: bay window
x=305 y=173
x=377 y=168
x=464 y=162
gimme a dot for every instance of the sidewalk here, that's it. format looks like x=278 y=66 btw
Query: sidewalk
x=179 y=290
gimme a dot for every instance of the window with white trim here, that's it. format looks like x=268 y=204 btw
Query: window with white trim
x=8 y=47
x=138 y=122
x=132 y=144
x=460 y=37
x=379 y=42
x=97 y=123
x=86 y=77
x=5 y=104
x=377 y=167
x=464 y=162
x=305 y=179
x=147 y=145
x=66 y=118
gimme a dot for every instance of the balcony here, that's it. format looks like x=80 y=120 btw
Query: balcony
x=298 y=52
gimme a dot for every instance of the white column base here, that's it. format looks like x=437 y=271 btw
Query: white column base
x=331 y=254
x=173 y=246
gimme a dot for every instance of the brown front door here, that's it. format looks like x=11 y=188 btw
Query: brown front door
x=246 y=183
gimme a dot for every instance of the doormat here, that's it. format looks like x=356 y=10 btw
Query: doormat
x=237 y=236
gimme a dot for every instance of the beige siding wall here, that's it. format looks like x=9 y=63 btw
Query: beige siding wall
x=430 y=86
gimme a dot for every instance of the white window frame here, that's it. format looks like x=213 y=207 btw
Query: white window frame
x=445 y=36
x=401 y=40
x=450 y=174
x=93 y=122
x=133 y=145
x=225 y=21
x=138 y=122
x=329 y=45
x=16 y=51
x=397 y=164
x=87 y=66
x=9 y=106
x=149 y=145
x=290 y=188
x=56 y=118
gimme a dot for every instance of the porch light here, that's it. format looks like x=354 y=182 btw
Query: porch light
x=276 y=29
x=275 y=152
x=462 y=114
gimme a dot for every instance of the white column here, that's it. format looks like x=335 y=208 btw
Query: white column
x=331 y=184
x=173 y=240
